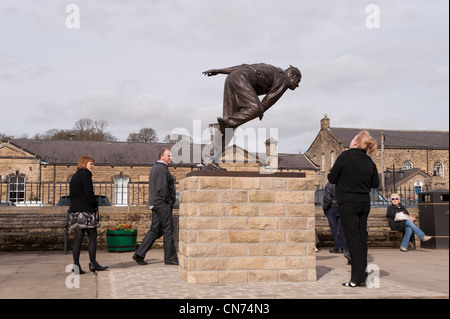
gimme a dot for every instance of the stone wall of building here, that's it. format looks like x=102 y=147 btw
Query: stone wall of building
x=325 y=148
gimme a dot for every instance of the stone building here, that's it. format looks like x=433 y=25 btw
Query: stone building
x=39 y=171
x=416 y=159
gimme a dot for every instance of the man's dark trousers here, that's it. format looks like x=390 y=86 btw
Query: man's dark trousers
x=162 y=225
x=337 y=232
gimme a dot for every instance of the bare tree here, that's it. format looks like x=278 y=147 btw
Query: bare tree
x=84 y=130
x=148 y=135
x=101 y=125
x=145 y=135
x=48 y=135
x=174 y=138
x=133 y=138
x=100 y=132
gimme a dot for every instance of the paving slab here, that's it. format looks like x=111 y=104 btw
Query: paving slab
x=419 y=274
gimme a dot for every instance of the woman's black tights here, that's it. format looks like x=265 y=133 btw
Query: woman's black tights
x=78 y=240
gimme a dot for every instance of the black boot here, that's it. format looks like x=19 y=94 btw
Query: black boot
x=94 y=267
x=77 y=269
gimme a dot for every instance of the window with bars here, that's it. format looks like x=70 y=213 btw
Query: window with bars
x=438 y=169
x=17 y=189
x=121 y=190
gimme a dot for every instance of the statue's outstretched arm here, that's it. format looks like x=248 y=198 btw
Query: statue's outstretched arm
x=223 y=71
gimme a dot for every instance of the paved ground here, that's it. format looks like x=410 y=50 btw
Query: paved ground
x=422 y=274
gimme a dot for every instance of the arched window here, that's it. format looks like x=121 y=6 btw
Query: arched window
x=407 y=165
x=418 y=186
x=333 y=158
x=323 y=162
x=438 y=169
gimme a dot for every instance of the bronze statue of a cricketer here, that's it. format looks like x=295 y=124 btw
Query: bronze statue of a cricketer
x=243 y=85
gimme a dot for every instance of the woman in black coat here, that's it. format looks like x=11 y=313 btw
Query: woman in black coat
x=406 y=226
x=83 y=213
x=354 y=174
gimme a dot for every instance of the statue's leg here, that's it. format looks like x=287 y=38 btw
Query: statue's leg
x=243 y=116
x=212 y=152
x=241 y=103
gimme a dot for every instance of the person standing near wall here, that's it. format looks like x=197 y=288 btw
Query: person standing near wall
x=331 y=210
x=162 y=199
x=354 y=174
x=83 y=213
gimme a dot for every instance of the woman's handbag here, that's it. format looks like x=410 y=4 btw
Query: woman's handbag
x=84 y=219
x=401 y=216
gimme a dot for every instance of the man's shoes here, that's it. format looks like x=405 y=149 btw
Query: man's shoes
x=335 y=251
x=403 y=249
x=171 y=263
x=139 y=260
x=426 y=238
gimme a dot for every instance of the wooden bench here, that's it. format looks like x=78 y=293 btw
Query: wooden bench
x=379 y=233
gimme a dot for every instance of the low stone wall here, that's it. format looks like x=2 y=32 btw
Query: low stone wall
x=25 y=230
x=42 y=228
x=242 y=229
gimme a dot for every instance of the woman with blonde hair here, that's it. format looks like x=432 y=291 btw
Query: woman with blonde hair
x=83 y=213
x=354 y=174
x=404 y=225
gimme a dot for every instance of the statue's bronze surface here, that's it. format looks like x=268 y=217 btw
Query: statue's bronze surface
x=243 y=86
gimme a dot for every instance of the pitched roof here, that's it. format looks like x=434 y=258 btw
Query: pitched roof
x=63 y=152
x=110 y=153
x=402 y=176
x=293 y=161
x=397 y=138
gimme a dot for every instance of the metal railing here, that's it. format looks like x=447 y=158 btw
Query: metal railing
x=137 y=194
x=49 y=193
x=408 y=195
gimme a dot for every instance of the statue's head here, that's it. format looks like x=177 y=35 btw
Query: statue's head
x=295 y=76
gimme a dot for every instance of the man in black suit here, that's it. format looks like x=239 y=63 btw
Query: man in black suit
x=162 y=199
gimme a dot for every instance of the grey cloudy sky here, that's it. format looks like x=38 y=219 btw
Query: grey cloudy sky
x=139 y=64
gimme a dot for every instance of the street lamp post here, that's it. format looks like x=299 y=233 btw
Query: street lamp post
x=388 y=173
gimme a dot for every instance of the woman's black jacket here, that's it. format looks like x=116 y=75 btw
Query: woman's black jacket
x=390 y=214
x=354 y=174
x=82 y=198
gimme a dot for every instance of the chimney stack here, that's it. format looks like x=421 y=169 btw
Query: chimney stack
x=272 y=153
x=325 y=123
